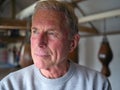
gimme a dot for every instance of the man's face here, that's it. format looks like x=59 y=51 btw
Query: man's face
x=49 y=39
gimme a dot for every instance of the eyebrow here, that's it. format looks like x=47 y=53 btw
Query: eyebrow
x=33 y=28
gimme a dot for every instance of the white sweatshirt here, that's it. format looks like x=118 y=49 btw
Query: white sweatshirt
x=77 y=78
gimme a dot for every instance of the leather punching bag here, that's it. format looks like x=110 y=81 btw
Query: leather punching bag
x=105 y=56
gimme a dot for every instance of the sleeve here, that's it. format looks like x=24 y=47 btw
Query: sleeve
x=5 y=83
x=1 y=86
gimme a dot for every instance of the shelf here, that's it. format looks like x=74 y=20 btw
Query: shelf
x=8 y=39
x=7 y=23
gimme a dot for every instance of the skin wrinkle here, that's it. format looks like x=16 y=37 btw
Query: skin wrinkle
x=56 y=59
x=70 y=18
x=54 y=35
x=51 y=40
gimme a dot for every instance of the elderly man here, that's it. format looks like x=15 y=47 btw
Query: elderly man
x=54 y=34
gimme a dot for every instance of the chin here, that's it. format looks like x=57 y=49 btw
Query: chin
x=40 y=65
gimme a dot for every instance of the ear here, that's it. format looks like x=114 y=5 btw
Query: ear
x=74 y=42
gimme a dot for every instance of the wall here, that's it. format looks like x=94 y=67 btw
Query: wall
x=88 y=50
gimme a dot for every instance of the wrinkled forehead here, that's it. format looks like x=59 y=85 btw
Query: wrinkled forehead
x=50 y=18
x=43 y=14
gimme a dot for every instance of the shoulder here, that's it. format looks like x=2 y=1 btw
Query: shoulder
x=92 y=77
x=19 y=75
x=18 y=79
x=89 y=74
x=23 y=71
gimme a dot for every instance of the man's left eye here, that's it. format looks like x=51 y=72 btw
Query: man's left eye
x=51 y=33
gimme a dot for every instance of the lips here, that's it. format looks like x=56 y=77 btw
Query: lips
x=42 y=53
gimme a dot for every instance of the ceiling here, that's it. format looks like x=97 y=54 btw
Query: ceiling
x=95 y=16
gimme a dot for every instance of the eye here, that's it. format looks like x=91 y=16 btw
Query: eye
x=52 y=33
x=34 y=31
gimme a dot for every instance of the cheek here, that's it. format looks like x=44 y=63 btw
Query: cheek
x=33 y=41
x=33 y=44
x=61 y=47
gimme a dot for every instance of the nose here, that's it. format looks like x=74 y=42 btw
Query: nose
x=42 y=40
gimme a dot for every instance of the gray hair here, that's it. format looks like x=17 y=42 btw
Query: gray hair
x=64 y=7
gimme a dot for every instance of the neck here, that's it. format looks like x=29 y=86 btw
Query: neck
x=55 y=71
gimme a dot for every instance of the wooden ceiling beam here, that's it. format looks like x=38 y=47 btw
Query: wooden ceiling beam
x=13 y=9
x=91 y=24
x=87 y=30
x=7 y=23
x=101 y=34
x=99 y=16
x=8 y=39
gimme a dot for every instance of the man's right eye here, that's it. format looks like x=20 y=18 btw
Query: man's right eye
x=34 y=31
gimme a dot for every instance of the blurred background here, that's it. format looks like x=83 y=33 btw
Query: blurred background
x=99 y=27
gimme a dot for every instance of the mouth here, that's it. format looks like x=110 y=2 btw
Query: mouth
x=42 y=54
